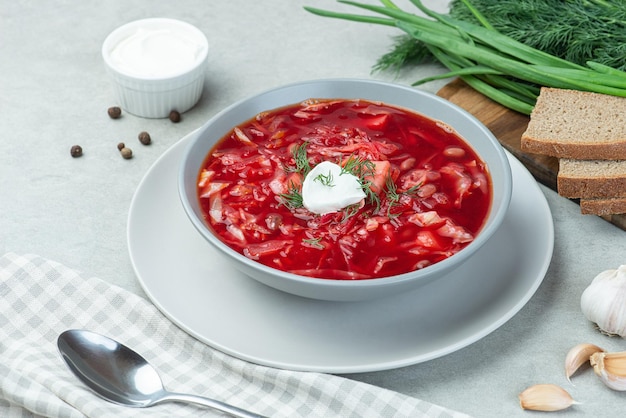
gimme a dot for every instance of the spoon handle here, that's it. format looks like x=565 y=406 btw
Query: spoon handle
x=211 y=403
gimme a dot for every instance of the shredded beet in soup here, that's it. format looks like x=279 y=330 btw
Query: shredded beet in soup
x=397 y=192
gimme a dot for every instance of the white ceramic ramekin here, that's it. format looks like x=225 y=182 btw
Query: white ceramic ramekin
x=155 y=96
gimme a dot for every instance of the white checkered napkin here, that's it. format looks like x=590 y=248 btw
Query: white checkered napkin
x=39 y=299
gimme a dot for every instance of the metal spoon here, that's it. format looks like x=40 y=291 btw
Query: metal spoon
x=120 y=375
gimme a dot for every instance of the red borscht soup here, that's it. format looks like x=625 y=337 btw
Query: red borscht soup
x=423 y=193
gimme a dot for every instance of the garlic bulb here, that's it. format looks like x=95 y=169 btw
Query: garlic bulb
x=611 y=368
x=604 y=301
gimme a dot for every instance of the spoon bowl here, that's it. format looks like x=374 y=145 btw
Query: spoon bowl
x=122 y=376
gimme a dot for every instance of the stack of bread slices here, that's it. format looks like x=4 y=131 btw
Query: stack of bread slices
x=587 y=133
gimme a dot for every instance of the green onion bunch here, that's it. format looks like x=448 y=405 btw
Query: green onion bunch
x=503 y=69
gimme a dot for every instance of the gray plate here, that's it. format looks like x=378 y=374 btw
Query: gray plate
x=187 y=280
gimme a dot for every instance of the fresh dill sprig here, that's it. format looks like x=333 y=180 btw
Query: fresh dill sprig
x=325 y=179
x=358 y=167
x=393 y=197
x=301 y=160
x=370 y=196
x=292 y=199
x=314 y=242
x=350 y=211
x=412 y=191
x=363 y=169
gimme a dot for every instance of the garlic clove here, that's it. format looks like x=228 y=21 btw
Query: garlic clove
x=604 y=301
x=545 y=397
x=579 y=355
x=611 y=368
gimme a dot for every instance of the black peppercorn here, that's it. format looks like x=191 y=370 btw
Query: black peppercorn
x=120 y=146
x=127 y=153
x=76 y=151
x=144 y=138
x=174 y=116
x=114 y=112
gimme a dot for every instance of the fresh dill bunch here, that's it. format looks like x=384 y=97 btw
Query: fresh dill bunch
x=575 y=30
x=406 y=50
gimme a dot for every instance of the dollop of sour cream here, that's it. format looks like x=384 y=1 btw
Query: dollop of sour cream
x=156 y=52
x=327 y=189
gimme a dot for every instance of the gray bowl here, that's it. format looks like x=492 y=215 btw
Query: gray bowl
x=474 y=132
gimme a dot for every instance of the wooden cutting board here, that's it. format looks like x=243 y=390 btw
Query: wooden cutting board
x=508 y=126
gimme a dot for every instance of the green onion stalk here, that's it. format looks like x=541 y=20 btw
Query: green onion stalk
x=507 y=71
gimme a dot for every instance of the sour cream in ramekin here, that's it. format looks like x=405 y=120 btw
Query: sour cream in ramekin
x=157 y=52
x=157 y=65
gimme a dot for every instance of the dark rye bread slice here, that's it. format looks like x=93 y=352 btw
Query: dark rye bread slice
x=591 y=178
x=576 y=124
x=603 y=207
